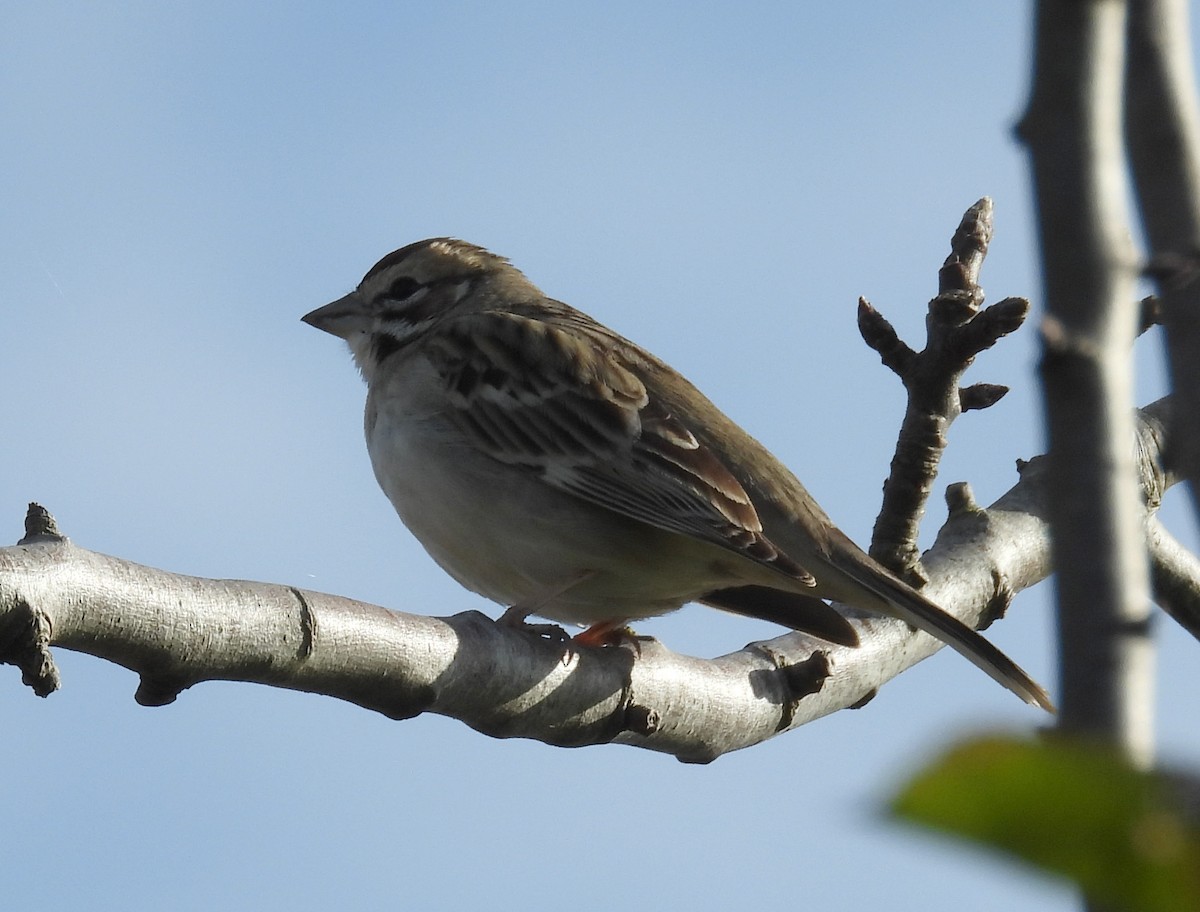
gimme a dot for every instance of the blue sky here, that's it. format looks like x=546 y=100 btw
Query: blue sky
x=181 y=182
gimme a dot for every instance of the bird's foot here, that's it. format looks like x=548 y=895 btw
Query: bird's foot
x=515 y=617
x=610 y=633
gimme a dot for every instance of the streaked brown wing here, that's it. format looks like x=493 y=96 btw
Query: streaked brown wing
x=565 y=401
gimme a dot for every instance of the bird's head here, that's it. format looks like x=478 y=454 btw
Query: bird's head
x=410 y=291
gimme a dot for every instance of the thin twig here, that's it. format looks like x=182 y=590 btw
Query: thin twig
x=957 y=330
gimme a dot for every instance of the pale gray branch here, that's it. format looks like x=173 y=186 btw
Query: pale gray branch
x=176 y=631
x=1175 y=573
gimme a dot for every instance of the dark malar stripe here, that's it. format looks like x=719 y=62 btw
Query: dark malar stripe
x=383 y=345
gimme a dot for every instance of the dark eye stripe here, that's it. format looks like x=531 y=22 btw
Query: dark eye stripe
x=406 y=317
x=414 y=311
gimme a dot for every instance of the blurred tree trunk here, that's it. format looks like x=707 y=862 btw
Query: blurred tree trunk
x=1077 y=130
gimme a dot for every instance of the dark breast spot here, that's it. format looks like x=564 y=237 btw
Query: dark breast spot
x=383 y=345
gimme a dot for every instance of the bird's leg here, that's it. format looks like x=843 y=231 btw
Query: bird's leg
x=515 y=615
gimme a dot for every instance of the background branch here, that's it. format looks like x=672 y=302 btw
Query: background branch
x=1175 y=575
x=1073 y=131
x=1162 y=124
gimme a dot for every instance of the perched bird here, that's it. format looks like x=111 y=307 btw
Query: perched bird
x=559 y=469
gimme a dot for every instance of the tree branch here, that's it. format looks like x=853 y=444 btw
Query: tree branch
x=956 y=331
x=1175 y=574
x=1162 y=127
x=175 y=631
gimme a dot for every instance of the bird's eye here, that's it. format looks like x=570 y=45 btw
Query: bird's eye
x=403 y=287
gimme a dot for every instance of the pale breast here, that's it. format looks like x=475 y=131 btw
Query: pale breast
x=499 y=530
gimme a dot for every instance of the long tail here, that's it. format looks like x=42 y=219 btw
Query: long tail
x=909 y=605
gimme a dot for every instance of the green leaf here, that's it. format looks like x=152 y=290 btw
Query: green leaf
x=1072 y=809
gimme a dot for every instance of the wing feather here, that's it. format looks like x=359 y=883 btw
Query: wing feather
x=568 y=401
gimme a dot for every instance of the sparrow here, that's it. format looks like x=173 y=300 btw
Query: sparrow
x=557 y=468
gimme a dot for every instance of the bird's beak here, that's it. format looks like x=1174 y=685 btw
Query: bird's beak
x=340 y=318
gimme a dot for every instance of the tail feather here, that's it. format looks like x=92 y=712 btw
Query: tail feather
x=910 y=606
x=790 y=609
